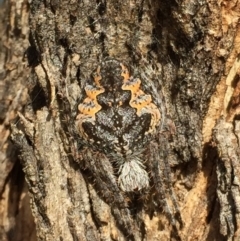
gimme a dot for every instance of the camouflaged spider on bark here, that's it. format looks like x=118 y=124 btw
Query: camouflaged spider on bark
x=120 y=122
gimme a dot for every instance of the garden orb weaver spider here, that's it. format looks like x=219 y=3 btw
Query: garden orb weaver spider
x=120 y=124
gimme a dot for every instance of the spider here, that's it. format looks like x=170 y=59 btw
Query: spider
x=121 y=124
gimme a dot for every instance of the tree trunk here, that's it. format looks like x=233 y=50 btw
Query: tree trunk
x=186 y=56
x=16 y=220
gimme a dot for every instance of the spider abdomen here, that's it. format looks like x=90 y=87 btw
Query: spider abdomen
x=119 y=118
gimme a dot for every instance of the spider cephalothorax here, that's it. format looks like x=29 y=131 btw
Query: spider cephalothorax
x=119 y=119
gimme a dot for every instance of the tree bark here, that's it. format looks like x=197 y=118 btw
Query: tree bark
x=189 y=49
x=16 y=220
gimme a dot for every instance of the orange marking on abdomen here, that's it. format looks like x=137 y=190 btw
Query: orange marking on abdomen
x=139 y=100
x=89 y=108
x=90 y=105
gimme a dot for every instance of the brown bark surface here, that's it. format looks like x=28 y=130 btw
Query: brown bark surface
x=16 y=220
x=50 y=48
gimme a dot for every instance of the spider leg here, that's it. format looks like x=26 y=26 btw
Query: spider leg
x=106 y=185
x=168 y=180
x=161 y=176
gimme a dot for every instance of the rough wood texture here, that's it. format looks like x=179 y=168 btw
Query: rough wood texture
x=16 y=220
x=190 y=48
